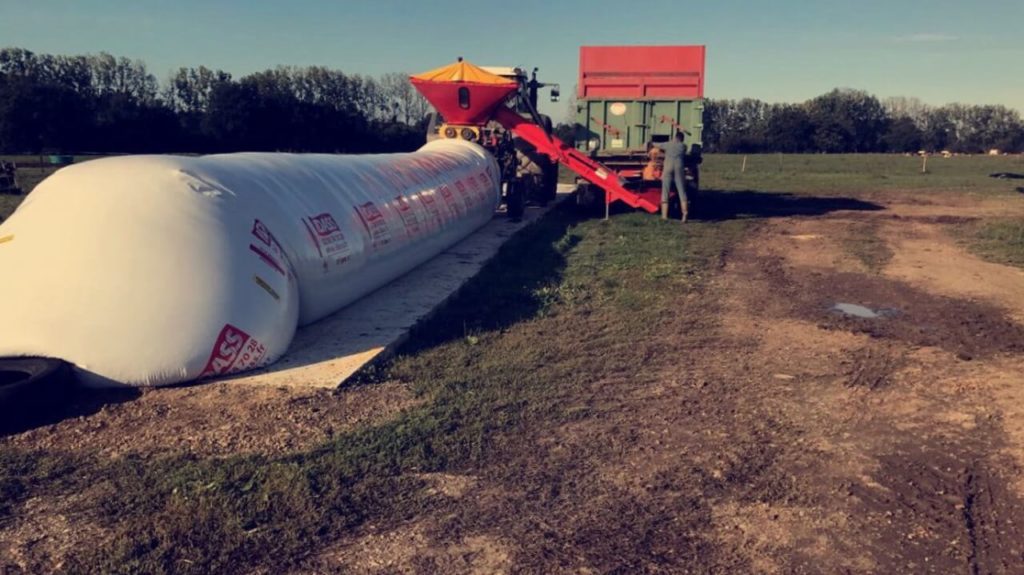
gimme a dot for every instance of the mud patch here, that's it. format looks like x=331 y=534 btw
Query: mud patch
x=941 y=506
x=939 y=219
x=966 y=328
x=873 y=367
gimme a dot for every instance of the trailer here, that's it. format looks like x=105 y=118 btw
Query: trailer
x=497 y=112
x=632 y=98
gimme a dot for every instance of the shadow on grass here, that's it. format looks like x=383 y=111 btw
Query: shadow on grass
x=55 y=404
x=512 y=286
x=714 y=205
x=509 y=288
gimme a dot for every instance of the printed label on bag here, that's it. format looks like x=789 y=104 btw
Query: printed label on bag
x=432 y=210
x=268 y=249
x=330 y=240
x=465 y=194
x=375 y=224
x=450 y=200
x=233 y=351
x=410 y=219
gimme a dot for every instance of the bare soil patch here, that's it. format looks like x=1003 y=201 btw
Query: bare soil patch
x=216 y=419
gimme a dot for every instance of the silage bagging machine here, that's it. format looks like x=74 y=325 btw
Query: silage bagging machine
x=629 y=99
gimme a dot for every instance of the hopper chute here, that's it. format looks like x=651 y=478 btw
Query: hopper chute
x=464 y=93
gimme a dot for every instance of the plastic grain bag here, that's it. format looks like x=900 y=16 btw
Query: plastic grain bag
x=153 y=270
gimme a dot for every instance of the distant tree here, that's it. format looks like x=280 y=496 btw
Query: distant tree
x=911 y=108
x=403 y=102
x=789 y=129
x=938 y=132
x=123 y=77
x=903 y=136
x=571 y=106
x=188 y=89
x=735 y=125
x=104 y=103
x=989 y=127
x=847 y=121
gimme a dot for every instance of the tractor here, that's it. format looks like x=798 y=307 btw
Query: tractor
x=497 y=109
x=528 y=176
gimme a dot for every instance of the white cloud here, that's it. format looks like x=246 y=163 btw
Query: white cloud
x=928 y=37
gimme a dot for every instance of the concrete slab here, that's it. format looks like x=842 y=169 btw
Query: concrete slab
x=328 y=352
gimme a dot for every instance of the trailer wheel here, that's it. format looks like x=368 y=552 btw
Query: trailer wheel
x=693 y=189
x=29 y=385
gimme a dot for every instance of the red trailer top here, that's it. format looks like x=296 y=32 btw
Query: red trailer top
x=632 y=72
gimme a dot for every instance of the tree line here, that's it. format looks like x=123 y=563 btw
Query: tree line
x=852 y=121
x=105 y=104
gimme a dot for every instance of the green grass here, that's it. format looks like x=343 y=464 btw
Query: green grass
x=572 y=302
x=796 y=173
x=850 y=174
x=843 y=174
x=861 y=239
x=1000 y=241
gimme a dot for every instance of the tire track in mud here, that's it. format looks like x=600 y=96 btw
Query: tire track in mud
x=933 y=491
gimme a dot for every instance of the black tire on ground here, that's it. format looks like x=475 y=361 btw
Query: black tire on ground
x=515 y=200
x=549 y=189
x=590 y=199
x=29 y=384
x=693 y=189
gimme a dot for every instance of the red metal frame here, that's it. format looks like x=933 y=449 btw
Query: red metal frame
x=589 y=169
x=485 y=103
x=632 y=72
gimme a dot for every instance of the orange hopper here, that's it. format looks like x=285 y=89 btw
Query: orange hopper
x=463 y=93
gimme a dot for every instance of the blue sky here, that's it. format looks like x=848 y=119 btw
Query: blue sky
x=784 y=50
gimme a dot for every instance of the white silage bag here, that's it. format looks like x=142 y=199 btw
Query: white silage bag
x=152 y=270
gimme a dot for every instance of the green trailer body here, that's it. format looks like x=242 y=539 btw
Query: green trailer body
x=629 y=97
x=614 y=127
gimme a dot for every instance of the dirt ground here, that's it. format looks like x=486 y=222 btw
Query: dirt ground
x=786 y=438
x=774 y=434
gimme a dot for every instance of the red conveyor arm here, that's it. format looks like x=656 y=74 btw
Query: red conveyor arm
x=590 y=170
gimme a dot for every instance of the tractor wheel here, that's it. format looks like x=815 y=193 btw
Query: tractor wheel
x=515 y=200
x=590 y=199
x=549 y=189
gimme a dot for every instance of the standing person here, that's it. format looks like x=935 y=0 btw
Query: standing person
x=673 y=171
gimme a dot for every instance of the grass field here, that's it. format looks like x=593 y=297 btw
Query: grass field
x=504 y=367
x=999 y=240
